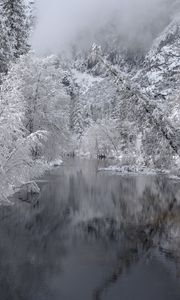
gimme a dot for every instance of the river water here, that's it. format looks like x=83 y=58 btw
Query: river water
x=92 y=235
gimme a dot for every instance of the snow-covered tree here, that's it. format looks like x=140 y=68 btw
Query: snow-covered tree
x=100 y=139
x=77 y=117
x=31 y=15
x=13 y=14
x=5 y=50
x=47 y=104
x=16 y=144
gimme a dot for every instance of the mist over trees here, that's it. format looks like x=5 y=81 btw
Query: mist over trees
x=128 y=24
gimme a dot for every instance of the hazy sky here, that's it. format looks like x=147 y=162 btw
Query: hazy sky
x=59 y=21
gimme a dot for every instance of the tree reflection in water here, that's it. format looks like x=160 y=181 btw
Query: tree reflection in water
x=136 y=215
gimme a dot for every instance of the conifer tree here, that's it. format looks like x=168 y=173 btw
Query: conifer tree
x=13 y=14
x=31 y=15
x=77 y=118
x=4 y=48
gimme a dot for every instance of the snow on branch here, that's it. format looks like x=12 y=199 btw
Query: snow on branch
x=153 y=112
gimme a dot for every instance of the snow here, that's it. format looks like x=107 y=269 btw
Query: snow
x=133 y=170
x=101 y=111
x=138 y=171
x=174 y=177
x=84 y=80
x=56 y=163
x=159 y=74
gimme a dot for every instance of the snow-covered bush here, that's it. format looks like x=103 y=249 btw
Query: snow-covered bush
x=100 y=139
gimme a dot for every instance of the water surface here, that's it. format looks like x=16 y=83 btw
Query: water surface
x=92 y=235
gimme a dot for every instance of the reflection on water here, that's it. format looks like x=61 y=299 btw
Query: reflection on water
x=92 y=235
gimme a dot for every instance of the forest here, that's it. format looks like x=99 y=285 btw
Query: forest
x=100 y=97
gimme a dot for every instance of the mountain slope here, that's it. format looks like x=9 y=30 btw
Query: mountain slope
x=160 y=75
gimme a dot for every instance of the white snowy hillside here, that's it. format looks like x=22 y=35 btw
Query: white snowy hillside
x=134 y=115
x=161 y=68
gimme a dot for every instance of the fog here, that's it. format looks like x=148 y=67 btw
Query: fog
x=61 y=21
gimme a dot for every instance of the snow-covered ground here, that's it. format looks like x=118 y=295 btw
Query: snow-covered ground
x=133 y=170
x=56 y=163
x=137 y=171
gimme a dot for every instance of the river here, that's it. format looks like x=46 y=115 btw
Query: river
x=92 y=235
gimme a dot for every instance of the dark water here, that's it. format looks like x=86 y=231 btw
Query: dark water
x=92 y=235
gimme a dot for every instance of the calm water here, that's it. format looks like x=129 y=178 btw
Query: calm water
x=92 y=235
